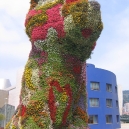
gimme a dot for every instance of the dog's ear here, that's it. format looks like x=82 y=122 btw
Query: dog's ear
x=33 y=3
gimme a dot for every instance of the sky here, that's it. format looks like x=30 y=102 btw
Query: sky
x=111 y=52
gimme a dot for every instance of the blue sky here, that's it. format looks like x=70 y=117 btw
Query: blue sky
x=111 y=52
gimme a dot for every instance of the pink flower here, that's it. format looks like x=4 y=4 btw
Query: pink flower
x=54 y=20
x=44 y=54
x=32 y=13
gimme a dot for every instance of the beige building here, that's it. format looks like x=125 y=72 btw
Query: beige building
x=3 y=97
x=10 y=94
x=14 y=91
x=4 y=94
x=120 y=98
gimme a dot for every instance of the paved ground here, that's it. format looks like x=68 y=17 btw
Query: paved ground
x=124 y=126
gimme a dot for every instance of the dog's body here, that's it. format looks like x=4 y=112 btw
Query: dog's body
x=53 y=94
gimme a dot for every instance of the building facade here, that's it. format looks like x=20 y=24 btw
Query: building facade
x=103 y=106
x=5 y=109
x=9 y=97
x=3 y=97
x=125 y=96
x=126 y=109
x=4 y=83
x=120 y=99
x=14 y=91
x=8 y=111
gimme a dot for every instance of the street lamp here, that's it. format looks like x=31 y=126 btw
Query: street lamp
x=5 y=112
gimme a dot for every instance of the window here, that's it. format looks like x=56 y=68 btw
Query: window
x=108 y=119
x=116 y=103
x=116 y=89
x=109 y=102
x=94 y=102
x=109 y=87
x=93 y=119
x=94 y=85
x=117 y=118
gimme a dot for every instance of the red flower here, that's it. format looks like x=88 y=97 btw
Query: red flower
x=51 y=100
x=86 y=32
x=43 y=53
x=57 y=85
x=66 y=112
x=51 y=104
x=69 y=1
x=23 y=110
x=77 y=69
x=41 y=61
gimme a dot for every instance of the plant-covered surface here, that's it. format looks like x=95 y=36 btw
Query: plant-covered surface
x=63 y=35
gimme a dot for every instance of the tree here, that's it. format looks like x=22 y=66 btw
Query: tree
x=124 y=118
x=2 y=117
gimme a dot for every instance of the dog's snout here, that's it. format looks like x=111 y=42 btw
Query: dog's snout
x=95 y=4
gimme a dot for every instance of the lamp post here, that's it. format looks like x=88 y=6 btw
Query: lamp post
x=5 y=112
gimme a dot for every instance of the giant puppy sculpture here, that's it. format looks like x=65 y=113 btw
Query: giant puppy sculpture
x=63 y=34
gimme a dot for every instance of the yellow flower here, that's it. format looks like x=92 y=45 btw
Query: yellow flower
x=28 y=75
x=64 y=97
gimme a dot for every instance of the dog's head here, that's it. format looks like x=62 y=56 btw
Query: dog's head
x=83 y=25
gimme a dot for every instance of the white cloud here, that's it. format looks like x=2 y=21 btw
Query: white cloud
x=17 y=51
x=13 y=43
x=10 y=74
x=15 y=8
x=8 y=35
x=12 y=35
x=121 y=23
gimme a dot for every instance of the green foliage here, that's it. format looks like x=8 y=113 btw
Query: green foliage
x=2 y=117
x=124 y=118
x=30 y=124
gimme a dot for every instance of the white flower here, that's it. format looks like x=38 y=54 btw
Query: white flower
x=68 y=23
x=57 y=104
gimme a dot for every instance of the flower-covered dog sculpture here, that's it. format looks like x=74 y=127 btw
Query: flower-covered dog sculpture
x=63 y=34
